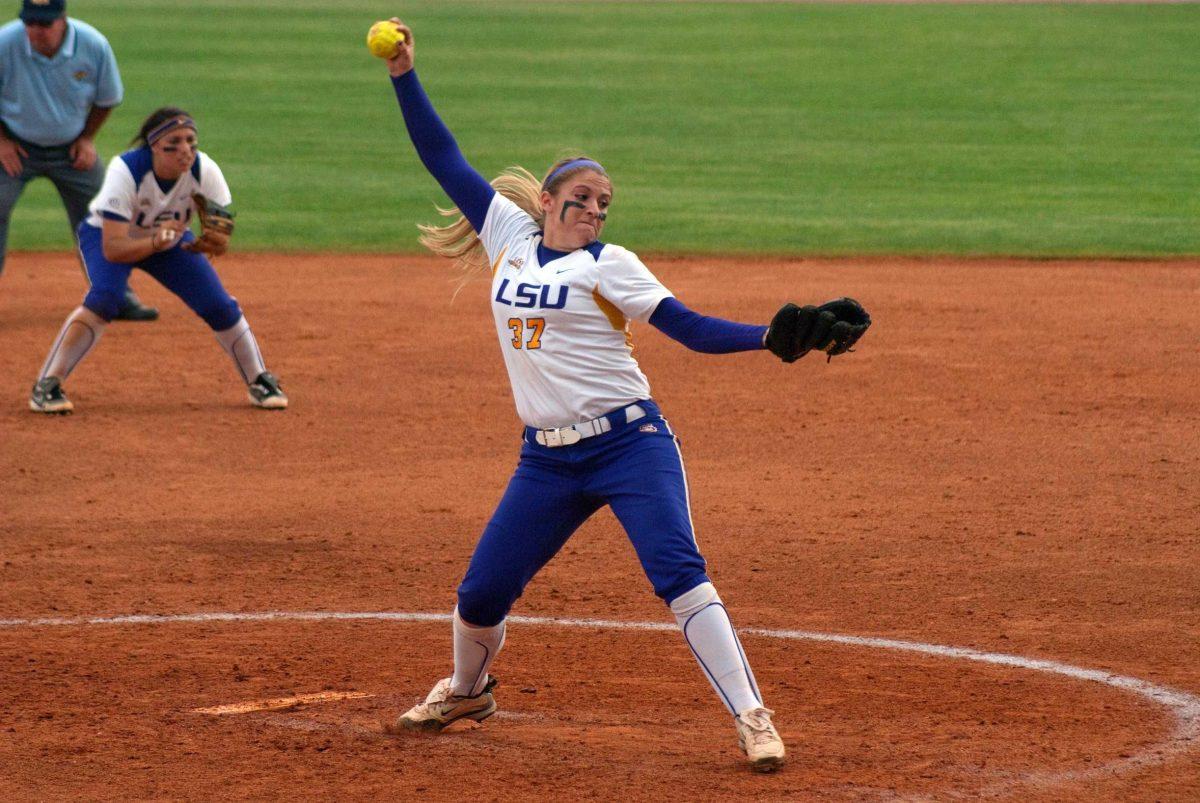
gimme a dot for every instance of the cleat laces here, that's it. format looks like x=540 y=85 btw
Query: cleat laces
x=758 y=723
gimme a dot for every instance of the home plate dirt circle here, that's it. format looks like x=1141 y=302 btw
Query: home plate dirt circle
x=1182 y=707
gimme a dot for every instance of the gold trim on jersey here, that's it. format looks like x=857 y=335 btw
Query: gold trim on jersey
x=616 y=318
x=496 y=264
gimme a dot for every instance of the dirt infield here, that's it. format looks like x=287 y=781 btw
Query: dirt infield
x=1010 y=463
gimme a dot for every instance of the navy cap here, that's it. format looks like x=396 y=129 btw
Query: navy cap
x=42 y=10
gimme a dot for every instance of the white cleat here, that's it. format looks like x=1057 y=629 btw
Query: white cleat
x=442 y=707
x=48 y=397
x=759 y=740
x=265 y=392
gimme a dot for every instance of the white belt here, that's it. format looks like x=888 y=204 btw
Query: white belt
x=565 y=436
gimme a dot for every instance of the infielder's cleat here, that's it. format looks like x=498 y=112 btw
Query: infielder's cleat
x=759 y=740
x=442 y=707
x=48 y=397
x=135 y=310
x=266 y=393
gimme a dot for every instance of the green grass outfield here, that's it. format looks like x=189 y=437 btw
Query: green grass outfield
x=815 y=129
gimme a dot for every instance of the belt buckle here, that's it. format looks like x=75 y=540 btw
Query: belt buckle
x=563 y=436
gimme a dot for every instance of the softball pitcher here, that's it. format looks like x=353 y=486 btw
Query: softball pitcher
x=562 y=302
x=140 y=220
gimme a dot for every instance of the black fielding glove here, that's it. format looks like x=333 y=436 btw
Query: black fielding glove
x=834 y=327
x=852 y=323
x=795 y=331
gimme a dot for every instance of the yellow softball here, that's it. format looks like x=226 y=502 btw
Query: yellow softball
x=384 y=39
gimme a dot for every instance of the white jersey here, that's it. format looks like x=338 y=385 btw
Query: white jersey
x=132 y=192
x=564 y=327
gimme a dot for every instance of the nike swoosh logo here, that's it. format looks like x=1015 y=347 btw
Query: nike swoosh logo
x=564 y=270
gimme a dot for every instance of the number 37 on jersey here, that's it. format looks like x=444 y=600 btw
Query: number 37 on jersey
x=527 y=332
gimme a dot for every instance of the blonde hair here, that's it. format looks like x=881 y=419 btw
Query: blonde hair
x=459 y=241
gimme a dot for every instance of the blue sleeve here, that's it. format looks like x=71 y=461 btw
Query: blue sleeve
x=438 y=151
x=702 y=333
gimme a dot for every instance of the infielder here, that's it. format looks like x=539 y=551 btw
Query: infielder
x=562 y=302
x=140 y=219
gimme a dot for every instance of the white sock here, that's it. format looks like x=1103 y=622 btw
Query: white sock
x=78 y=335
x=474 y=650
x=712 y=639
x=239 y=343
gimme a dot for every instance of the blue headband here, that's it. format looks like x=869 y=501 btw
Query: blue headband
x=572 y=165
x=167 y=126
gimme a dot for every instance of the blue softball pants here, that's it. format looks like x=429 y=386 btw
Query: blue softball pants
x=187 y=274
x=636 y=468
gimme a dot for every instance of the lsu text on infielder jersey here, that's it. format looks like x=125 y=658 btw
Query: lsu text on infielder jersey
x=132 y=192
x=564 y=326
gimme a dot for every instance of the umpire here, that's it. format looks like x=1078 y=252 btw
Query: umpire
x=58 y=84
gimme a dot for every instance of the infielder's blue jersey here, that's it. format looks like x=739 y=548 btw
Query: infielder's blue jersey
x=132 y=192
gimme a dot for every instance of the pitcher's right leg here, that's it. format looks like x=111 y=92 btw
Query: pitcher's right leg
x=541 y=508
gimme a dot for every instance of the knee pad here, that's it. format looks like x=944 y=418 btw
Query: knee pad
x=105 y=304
x=483 y=607
x=694 y=601
x=223 y=315
x=683 y=581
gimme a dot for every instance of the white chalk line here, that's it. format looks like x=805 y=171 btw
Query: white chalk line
x=1183 y=706
x=279 y=703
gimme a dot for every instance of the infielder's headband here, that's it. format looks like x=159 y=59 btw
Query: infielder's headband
x=571 y=165
x=166 y=127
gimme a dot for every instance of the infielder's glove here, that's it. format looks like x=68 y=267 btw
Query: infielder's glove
x=216 y=226
x=834 y=327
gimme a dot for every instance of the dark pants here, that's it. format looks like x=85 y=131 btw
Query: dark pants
x=75 y=187
x=187 y=274
x=636 y=469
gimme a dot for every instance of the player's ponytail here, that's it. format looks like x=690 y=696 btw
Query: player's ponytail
x=458 y=240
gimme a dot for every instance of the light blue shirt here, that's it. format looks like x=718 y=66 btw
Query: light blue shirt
x=47 y=101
